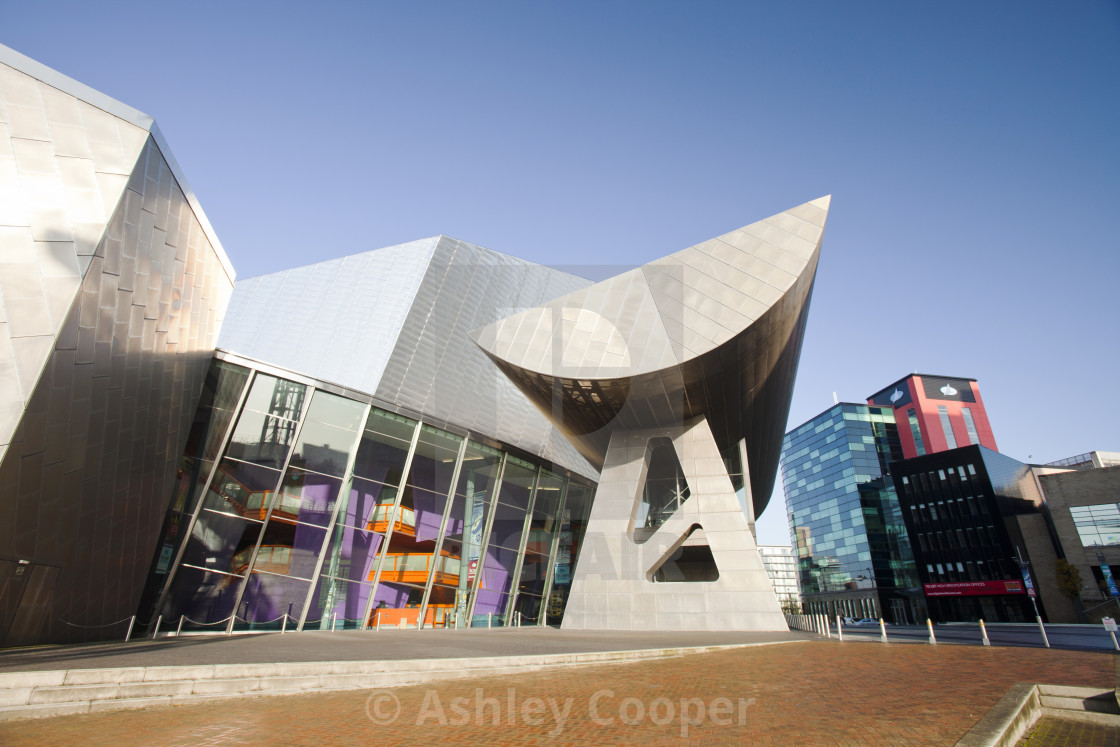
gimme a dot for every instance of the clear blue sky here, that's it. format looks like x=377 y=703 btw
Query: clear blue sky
x=972 y=151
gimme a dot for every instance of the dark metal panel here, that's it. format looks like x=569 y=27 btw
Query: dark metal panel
x=93 y=457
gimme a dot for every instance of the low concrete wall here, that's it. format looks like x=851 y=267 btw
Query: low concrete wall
x=1008 y=720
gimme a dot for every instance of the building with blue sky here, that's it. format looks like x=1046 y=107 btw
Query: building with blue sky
x=964 y=157
x=407 y=436
x=853 y=554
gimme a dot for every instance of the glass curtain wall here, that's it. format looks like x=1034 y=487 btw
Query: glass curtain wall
x=218 y=404
x=298 y=507
x=572 y=524
x=498 y=563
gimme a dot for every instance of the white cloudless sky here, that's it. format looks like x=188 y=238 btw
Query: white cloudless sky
x=972 y=151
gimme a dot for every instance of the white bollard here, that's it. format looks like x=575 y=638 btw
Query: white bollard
x=490 y=620
x=839 y=629
x=932 y=638
x=827 y=627
x=984 y=634
x=130 y=624
x=1042 y=629
x=284 y=625
x=882 y=630
x=334 y=615
x=179 y=629
x=156 y=631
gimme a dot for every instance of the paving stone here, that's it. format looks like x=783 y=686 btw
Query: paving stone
x=812 y=693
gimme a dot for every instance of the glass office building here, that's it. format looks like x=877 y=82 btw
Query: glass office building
x=853 y=554
x=300 y=506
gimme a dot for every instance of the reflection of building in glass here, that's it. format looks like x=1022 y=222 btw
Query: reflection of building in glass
x=853 y=554
x=354 y=518
x=781 y=567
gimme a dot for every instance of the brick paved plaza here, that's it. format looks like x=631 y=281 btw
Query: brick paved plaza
x=800 y=693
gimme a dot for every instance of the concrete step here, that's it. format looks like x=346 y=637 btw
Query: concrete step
x=1087 y=699
x=60 y=692
x=72 y=693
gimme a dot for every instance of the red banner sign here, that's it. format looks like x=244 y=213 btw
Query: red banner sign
x=973 y=588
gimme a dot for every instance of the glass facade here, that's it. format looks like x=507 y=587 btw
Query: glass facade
x=295 y=506
x=916 y=431
x=970 y=426
x=853 y=553
x=947 y=426
x=1097 y=525
x=781 y=566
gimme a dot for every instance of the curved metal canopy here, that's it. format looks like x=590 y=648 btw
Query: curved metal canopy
x=713 y=330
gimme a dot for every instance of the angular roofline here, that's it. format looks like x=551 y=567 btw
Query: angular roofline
x=437 y=238
x=109 y=105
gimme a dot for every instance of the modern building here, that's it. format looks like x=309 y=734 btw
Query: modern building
x=112 y=290
x=853 y=553
x=1084 y=506
x=781 y=567
x=936 y=413
x=377 y=469
x=409 y=436
x=977 y=521
x=371 y=464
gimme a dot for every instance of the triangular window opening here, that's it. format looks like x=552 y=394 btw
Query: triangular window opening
x=691 y=562
x=665 y=489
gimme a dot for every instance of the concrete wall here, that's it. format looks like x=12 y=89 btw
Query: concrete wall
x=1084 y=488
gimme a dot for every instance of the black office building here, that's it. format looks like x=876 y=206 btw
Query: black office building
x=965 y=511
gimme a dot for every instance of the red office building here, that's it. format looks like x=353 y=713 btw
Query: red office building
x=936 y=413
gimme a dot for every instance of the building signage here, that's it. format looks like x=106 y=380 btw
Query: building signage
x=1027 y=580
x=958 y=390
x=973 y=588
x=563 y=571
x=1107 y=573
x=476 y=527
x=165 y=554
x=895 y=396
